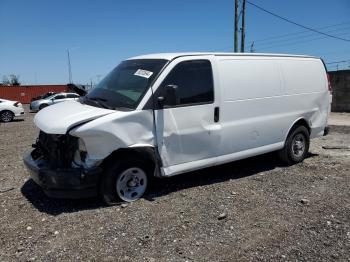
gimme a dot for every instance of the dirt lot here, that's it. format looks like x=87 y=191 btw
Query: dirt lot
x=268 y=212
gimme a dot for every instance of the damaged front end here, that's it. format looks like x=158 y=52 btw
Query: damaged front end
x=53 y=166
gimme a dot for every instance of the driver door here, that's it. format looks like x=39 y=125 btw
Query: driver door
x=188 y=127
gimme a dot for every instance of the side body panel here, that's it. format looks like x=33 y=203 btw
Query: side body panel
x=261 y=99
x=252 y=103
x=306 y=93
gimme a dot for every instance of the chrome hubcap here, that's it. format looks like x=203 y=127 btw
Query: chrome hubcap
x=298 y=145
x=131 y=184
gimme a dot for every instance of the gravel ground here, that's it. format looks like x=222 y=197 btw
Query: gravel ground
x=251 y=210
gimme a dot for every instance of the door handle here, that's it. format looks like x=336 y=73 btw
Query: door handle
x=216 y=114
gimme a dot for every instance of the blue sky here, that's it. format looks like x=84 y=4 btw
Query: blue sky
x=36 y=33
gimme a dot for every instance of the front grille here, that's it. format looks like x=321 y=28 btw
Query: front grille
x=57 y=150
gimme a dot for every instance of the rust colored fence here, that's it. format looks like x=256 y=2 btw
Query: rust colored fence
x=24 y=94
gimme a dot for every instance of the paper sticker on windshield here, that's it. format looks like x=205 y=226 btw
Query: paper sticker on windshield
x=143 y=73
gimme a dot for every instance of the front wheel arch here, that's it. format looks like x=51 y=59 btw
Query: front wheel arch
x=42 y=106
x=147 y=153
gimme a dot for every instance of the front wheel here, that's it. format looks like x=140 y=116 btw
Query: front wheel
x=42 y=106
x=126 y=180
x=296 y=146
x=6 y=116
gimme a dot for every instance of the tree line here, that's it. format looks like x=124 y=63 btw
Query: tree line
x=10 y=80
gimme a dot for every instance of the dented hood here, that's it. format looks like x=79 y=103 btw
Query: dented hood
x=59 y=118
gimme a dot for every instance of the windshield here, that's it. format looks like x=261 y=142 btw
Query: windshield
x=48 y=95
x=125 y=86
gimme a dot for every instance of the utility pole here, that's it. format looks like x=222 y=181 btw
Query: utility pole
x=69 y=68
x=236 y=27
x=243 y=27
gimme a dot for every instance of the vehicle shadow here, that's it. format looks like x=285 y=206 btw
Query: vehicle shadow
x=36 y=196
x=160 y=187
x=221 y=173
x=13 y=120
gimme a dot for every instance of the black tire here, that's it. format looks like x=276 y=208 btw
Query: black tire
x=296 y=146
x=113 y=175
x=42 y=106
x=6 y=116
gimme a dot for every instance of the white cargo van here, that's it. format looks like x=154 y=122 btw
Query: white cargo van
x=166 y=114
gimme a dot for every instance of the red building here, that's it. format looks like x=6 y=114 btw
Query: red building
x=25 y=93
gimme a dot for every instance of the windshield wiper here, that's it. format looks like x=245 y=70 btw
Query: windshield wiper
x=123 y=108
x=100 y=101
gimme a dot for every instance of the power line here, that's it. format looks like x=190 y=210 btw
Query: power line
x=294 y=43
x=297 y=24
x=268 y=39
x=289 y=37
x=307 y=36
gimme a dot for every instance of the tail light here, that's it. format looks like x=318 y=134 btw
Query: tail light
x=329 y=83
x=16 y=104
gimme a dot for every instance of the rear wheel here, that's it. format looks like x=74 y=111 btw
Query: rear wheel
x=296 y=146
x=6 y=116
x=126 y=180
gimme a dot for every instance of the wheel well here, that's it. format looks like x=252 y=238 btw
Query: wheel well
x=6 y=110
x=146 y=153
x=302 y=122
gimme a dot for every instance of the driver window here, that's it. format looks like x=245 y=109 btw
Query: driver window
x=193 y=81
x=59 y=97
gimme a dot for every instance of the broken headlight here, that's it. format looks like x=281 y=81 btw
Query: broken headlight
x=80 y=154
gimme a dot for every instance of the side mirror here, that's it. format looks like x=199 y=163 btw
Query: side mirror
x=160 y=101
x=170 y=96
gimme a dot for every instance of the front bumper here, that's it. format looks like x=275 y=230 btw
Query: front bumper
x=19 y=113
x=68 y=183
x=33 y=107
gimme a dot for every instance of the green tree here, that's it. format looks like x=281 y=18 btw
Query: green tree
x=14 y=80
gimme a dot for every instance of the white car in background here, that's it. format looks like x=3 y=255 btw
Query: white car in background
x=10 y=109
x=54 y=99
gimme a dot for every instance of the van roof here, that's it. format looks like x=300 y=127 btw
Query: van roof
x=170 y=56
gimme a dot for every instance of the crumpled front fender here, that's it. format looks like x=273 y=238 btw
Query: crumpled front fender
x=106 y=134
